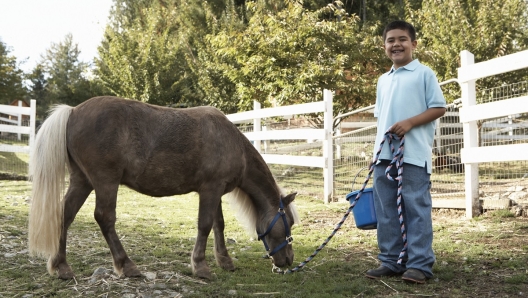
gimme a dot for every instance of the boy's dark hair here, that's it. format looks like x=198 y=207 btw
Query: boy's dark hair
x=402 y=25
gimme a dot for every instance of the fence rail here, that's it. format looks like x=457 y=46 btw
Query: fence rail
x=323 y=135
x=11 y=122
x=477 y=134
x=472 y=153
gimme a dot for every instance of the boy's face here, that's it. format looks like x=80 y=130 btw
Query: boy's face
x=399 y=47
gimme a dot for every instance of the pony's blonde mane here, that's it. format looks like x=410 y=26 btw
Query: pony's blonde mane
x=246 y=212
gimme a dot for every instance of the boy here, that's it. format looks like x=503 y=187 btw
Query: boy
x=408 y=100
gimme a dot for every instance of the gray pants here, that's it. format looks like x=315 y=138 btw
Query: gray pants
x=416 y=210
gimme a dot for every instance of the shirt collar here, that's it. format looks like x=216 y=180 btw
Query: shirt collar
x=410 y=66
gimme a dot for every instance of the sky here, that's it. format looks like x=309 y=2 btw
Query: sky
x=29 y=27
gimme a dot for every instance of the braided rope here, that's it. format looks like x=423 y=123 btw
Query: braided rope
x=398 y=161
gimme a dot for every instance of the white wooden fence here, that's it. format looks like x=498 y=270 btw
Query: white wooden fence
x=470 y=113
x=325 y=134
x=17 y=126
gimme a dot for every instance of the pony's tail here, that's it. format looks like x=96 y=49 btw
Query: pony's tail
x=47 y=171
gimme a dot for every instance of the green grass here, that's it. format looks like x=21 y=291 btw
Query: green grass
x=484 y=257
x=13 y=165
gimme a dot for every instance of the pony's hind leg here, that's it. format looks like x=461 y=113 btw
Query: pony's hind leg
x=105 y=215
x=220 y=251
x=75 y=197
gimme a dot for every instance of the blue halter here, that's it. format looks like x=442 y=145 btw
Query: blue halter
x=288 y=239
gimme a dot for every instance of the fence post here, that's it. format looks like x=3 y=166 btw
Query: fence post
x=470 y=132
x=328 y=155
x=19 y=120
x=32 y=124
x=256 y=126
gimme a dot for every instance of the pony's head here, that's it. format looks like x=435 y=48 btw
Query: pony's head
x=275 y=232
x=273 y=227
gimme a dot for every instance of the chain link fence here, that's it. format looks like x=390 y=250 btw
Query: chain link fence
x=303 y=180
x=14 y=165
x=353 y=146
x=354 y=149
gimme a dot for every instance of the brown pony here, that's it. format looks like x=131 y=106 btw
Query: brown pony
x=107 y=141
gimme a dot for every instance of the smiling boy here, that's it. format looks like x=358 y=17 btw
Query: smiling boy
x=408 y=101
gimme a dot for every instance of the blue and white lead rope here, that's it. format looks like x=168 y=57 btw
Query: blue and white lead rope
x=398 y=161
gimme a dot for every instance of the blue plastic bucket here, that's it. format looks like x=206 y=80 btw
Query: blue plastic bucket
x=364 y=212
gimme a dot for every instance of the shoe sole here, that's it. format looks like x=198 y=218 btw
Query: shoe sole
x=378 y=277
x=407 y=279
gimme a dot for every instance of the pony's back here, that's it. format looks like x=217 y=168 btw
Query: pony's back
x=155 y=150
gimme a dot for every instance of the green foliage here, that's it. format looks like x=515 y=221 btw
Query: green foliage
x=288 y=56
x=11 y=77
x=486 y=28
x=39 y=89
x=140 y=57
x=228 y=53
x=61 y=78
x=502 y=213
x=199 y=21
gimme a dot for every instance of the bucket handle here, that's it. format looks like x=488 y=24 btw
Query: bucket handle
x=354 y=181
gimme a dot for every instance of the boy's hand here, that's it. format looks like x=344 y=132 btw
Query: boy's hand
x=401 y=128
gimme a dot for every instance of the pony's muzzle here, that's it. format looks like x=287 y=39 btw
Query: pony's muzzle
x=283 y=259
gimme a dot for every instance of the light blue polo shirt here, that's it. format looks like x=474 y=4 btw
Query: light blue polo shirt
x=401 y=94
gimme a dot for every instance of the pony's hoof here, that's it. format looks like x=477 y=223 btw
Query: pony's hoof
x=132 y=272
x=129 y=269
x=226 y=264
x=228 y=267
x=202 y=271
x=224 y=261
x=204 y=274
x=65 y=272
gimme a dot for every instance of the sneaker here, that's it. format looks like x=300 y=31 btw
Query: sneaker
x=414 y=276
x=379 y=272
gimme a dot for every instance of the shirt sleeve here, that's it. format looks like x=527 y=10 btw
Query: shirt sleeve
x=434 y=96
x=376 y=105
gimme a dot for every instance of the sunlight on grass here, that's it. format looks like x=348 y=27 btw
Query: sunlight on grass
x=159 y=234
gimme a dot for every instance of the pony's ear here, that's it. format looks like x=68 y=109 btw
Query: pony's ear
x=288 y=199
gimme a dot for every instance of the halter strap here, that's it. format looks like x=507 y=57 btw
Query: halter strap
x=288 y=239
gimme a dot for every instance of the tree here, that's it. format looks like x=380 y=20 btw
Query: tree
x=141 y=58
x=227 y=53
x=200 y=21
x=38 y=88
x=66 y=81
x=495 y=28
x=289 y=55
x=11 y=77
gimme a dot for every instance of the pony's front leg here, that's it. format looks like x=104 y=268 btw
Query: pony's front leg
x=209 y=202
x=75 y=197
x=221 y=255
